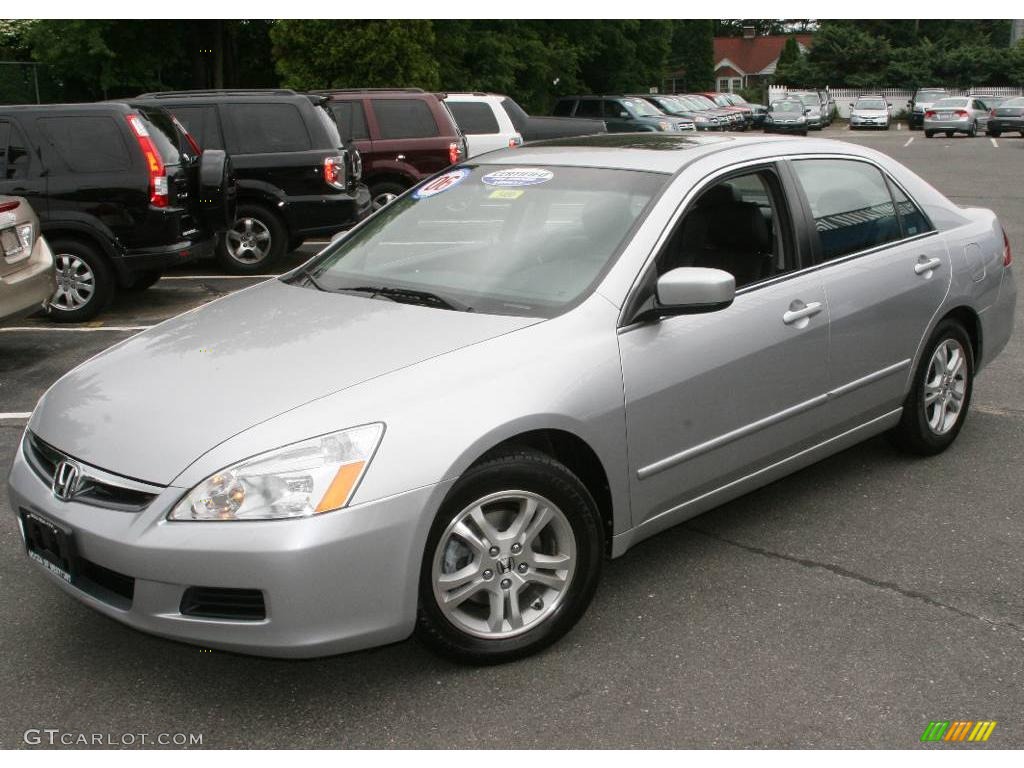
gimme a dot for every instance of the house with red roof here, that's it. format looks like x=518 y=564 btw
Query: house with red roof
x=745 y=62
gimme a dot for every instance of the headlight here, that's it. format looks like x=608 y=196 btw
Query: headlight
x=298 y=480
x=700 y=119
x=662 y=125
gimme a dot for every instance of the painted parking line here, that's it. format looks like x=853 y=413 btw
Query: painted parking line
x=909 y=141
x=73 y=329
x=994 y=143
x=14 y=416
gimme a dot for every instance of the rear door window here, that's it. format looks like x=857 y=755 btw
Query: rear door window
x=88 y=143
x=589 y=108
x=404 y=119
x=203 y=124
x=266 y=128
x=850 y=201
x=351 y=120
x=914 y=222
x=474 y=117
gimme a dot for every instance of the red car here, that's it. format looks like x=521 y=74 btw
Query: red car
x=403 y=135
x=723 y=101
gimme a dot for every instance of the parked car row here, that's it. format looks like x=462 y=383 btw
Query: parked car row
x=124 y=190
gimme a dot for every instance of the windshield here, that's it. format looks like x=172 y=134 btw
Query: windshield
x=870 y=104
x=929 y=95
x=1013 y=103
x=491 y=238
x=708 y=103
x=722 y=100
x=949 y=103
x=787 y=106
x=515 y=113
x=641 y=107
x=671 y=106
x=810 y=100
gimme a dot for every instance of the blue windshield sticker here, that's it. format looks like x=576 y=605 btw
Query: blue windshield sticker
x=442 y=183
x=517 y=177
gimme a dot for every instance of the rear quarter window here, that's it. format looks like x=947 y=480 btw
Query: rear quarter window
x=202 y=123
x=266 y=128
x=88 y=144
x=474 y=117
x=350 y=119
x=404 y=119
x=563 y=108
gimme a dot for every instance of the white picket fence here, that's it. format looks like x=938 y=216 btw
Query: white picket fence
x=898 y=97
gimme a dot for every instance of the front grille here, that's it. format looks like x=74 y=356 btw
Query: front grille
x=44 y=458
x=221 y=603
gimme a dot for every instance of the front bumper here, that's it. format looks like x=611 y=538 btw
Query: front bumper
x=31 y=286
x=785 y=127
x=869 y=122
x=337 y=582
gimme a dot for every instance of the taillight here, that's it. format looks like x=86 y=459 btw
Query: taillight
x=158 y=189
x=960 y=113
x=1007 y=254
x=930 y=113
x=991 y=113
x=515 y=141
x=9 y=206
x=453 y=153
x=334 y=171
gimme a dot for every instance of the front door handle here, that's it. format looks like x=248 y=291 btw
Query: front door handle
x=798 y=311
x=924 y=264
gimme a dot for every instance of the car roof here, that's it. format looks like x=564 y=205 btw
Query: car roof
x=98 y=106
x=657 y=152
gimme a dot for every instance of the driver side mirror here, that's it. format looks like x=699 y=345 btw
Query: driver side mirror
x=690 y=291
x=807 y=111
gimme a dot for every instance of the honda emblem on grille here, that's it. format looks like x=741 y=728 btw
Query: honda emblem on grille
x=65 y=480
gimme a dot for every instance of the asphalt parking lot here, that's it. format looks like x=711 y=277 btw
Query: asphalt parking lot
x=845 y=606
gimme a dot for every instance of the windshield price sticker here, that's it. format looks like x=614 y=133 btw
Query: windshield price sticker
x=442 y=183
x=506 y=194
x=517 y=177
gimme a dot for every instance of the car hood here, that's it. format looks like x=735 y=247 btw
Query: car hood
x=869 y=112
x=150 y=406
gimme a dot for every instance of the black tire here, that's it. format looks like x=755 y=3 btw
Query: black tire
x=256 y=220
x=929 y=134
x=103 y=281
x=974 y=129
x=218 y=191
x=913 y=434
x=295 y=243
x=949 y=134
x=522 y=469
x=140 y=281
x=382 y=191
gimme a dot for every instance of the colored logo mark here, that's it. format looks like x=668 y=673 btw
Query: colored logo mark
x=958 y=730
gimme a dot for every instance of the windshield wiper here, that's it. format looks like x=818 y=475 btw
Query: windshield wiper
x=410 y=296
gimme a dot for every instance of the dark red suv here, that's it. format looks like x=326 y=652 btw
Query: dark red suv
x=402 y=134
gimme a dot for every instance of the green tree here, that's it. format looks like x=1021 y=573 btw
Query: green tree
x=790 y=53
x=323 y=53
x=692 y=53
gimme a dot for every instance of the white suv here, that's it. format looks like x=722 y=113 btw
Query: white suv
x=483 y=121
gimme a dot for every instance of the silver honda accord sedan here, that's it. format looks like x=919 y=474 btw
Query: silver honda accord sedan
x=447 y=420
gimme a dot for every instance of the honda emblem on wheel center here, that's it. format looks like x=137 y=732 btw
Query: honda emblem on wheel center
x=65 y=480
x=506 y=565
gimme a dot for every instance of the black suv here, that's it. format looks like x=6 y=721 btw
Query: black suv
x=121 y=192
x=296 y=178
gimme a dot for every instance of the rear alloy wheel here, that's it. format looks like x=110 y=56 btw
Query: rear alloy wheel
x=940 y=394
x=384 y=192
x=255 y=241
x=85 y=282
x=512 y=560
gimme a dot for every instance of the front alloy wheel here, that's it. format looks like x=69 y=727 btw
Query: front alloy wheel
x=512 y=559
x=504 y=564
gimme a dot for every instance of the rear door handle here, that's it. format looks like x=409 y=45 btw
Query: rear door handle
x=924 y=264
x=799 y=311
